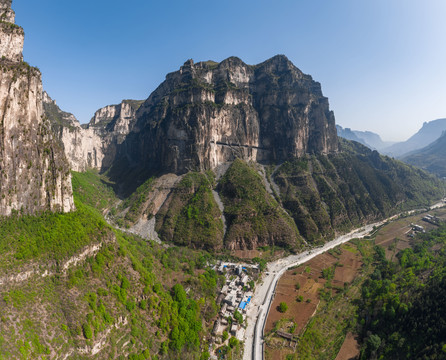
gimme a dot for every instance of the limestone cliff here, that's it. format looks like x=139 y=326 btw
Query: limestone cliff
x=112 y=124
x=83 y=147
x=92 y=145
x=34 y=173
x=210 y=113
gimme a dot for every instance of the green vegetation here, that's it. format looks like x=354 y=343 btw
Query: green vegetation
x=252 y=215
x=58 y=118
x=283 y=307
x=130 y=291
x=191 y=216
x=402 y=303
x=238 y=317
x=50 y=236
x=92 y=189
x=336 y=192
x=136 y=204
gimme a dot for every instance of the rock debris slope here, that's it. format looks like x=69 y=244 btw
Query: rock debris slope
x=34 y=173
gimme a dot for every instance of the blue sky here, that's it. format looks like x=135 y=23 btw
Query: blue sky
x=381 y=63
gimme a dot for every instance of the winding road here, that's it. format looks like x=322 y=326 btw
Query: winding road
x=264 y=293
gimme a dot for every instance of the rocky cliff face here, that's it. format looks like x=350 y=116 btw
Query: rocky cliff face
x=92 y=145
x=207 y=113
x=112 y=124
x=34 y=173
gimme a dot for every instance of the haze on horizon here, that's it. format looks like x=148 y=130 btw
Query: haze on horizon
x=380 y=62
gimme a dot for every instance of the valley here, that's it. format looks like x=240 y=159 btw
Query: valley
x=322 y=291
x=220 y=217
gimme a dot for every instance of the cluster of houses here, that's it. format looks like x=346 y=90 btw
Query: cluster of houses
x=234 y=300
x=431 y=219
x=417 y=228
x=420 y=229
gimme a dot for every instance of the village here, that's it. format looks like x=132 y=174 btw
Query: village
x=234 y=300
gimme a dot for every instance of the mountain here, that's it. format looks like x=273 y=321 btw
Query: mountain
x=221 y=158
x=207 y=114
x=35 y=174
x=367 y=138
x=431 y=158
x=350 y=134
x=373 y=139
x=430 y=132
x=234 y=156
x=92 y=145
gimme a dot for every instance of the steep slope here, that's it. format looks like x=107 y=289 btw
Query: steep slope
x=430 y=132
x=91 y=146
x=330 y=193
x=190 y=216
x=214 y=116
x=253 y=217
x=210 y=113
x=112 y=124
x=71 y=287
x=431 y=158
x=34 y=173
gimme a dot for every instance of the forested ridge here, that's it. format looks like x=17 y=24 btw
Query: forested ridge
x=402 y=306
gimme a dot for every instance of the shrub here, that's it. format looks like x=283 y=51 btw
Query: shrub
x=86 y=329
x=283 y=307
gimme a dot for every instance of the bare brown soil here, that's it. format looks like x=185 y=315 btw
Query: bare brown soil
x=309 y=278
x=246 y=254
x=349 y=349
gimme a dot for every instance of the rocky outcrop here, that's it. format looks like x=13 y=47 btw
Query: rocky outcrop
x=207 y=114
x=34 y=173
x=83 y=147
x=112 y=124
x=11 y=35
x=92 y=145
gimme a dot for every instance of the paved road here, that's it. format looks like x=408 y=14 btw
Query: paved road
x=263 y=295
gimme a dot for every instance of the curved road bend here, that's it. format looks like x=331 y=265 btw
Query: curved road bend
x=260 y=303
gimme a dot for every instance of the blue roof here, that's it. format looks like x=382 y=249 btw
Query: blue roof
x=249 y=299
x=242 y=305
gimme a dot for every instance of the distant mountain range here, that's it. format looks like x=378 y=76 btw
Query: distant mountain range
x=430 y=132
x=426 y=149
x=367 y=138
x=431 y=158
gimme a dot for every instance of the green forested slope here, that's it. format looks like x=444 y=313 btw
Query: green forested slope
x=125 y=300
x=330 y=193
x=190 y=216
x=402 y=307
x=254 y=218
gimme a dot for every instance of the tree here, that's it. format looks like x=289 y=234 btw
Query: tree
x=86 y=329
x=283 y=307
x=238 y=317
x=374 y=342
x=233 y=342
x=225 y=335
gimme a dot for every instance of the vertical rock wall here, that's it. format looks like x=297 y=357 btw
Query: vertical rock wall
x=34 y=173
